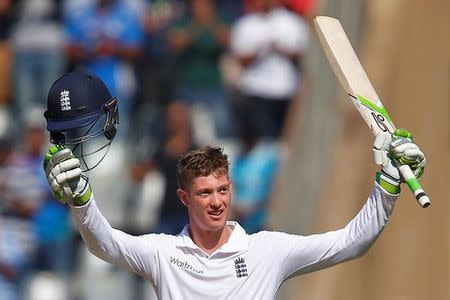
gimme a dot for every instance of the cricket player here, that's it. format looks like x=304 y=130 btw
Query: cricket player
x=211 y=258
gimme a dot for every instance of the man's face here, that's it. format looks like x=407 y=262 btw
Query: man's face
x=208 y=200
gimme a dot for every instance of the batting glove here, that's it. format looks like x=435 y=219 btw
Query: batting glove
x=394 y=150
x=64 y=175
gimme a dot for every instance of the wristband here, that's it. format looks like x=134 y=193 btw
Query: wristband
x=388 y=184
x=83 y=197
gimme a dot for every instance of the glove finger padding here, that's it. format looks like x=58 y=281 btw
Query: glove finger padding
x=389 y=177
x=414 y=154
x=400 y=149
x=380 y=146
x=66 y=177
x=61 y=156
x=64 y=184
x=63 y=172
x=48 y=163
x=61 y=168
x=405 y=152
x=71 y=163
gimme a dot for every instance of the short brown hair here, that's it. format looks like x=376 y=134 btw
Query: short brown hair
x=201 y=162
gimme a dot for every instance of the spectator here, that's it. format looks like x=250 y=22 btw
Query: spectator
x=173 y=215
x=5 y=51
x=104 y=38
x=16 y=250
x=51 y=220
x=268 y=42
x=305 y=8
x=230 y=9
x=146 y=194
x=37 y=40
x=13 y=254
x=5 y=151
x=253 y=173
x=156 y=70
x=199 y=39
x=25 y=163
x=17 y=242
x=5 y=65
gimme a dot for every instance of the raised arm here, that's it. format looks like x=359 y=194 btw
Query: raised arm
x=303 y=254
x=114 y=246
x=69 y=185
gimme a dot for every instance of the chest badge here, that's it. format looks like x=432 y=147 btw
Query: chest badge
x=241 y=267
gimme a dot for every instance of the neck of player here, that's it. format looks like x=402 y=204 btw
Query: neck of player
x=210 y=241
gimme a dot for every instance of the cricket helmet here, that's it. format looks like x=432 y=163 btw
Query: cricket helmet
x=82 y=115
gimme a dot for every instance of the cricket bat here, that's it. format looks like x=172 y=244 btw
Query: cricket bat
x=355 y=82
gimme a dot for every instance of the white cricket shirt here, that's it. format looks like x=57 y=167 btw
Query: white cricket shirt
x=246 y=267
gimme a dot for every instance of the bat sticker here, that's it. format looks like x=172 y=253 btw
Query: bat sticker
x=380 y=120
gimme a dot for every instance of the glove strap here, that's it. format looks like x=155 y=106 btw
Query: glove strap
x=388 y=184
x=83 y=199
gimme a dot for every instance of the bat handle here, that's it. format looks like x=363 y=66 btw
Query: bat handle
x=414 y=186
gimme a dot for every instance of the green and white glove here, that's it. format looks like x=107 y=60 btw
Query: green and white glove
x=391 y=151
x=65 y=177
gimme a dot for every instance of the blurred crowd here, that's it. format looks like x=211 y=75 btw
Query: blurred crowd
x=186 y=73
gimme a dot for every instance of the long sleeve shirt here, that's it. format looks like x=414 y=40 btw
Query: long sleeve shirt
x=245 y=267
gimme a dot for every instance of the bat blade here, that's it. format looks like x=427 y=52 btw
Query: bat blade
x=351 y=74
x=355 y=82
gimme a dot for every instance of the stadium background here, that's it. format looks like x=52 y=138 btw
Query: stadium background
x=404 y=48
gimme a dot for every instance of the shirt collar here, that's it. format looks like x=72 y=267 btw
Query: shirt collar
x=237 y=242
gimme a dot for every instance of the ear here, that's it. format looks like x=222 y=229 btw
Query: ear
x=183 y=197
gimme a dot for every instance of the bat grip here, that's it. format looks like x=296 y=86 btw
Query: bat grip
x=414 y=186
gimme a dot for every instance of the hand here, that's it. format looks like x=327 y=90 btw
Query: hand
x=65 y=177
x=391 y=151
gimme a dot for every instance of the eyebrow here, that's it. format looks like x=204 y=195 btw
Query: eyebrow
x=227 y=185
x=208 y=189
x=202 y=190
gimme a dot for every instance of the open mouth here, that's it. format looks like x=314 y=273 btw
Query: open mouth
x=216 y=214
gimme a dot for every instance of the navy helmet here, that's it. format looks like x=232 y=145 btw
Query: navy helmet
x=80 y=109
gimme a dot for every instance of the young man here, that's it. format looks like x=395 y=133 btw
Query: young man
x=213 y=258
